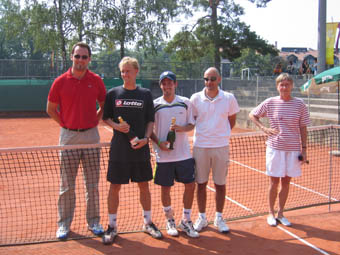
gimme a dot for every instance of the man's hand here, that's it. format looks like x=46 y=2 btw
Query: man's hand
x=140 y=143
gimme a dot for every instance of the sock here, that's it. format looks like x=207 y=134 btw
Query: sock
x=186 y=215
x=147 y=217
x=168 y=212
x=113 y=220
x=202 y=215
x=218 y=214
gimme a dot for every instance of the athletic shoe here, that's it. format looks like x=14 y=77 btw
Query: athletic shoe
x=109 y=235
x=200 y=224
x=62 y=233
x=283 y=220
x=271 y=221
x=171 y=227
x=188 y=228
x=221 y=225
x=152 y=230
x=96 y=229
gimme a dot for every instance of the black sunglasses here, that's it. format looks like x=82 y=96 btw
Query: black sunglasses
x=82 y=57
x=213 y=78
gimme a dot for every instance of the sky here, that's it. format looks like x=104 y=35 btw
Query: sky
x=290 y=23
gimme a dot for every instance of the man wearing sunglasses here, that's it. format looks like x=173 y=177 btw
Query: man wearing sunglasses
x=72 y=103
x=214 y=112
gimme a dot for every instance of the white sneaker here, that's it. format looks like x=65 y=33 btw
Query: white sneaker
x=188 y=228
x=283 y=220
x=221 y=225
x=271 y=221
x=152 y=230
x=62 y=233
x=96 y=229
x=109 y=235
x=200 y=224
x=171 y=227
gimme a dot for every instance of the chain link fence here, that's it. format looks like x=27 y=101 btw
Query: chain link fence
x=46 y=69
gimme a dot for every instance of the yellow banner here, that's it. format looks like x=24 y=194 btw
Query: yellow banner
x=330 y=39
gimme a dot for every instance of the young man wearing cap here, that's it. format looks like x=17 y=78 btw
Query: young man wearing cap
x=176 y=164
x=214 y=111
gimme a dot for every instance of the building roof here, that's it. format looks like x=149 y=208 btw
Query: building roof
x=300 y=53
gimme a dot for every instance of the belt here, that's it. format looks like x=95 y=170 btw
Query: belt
x=77 y=130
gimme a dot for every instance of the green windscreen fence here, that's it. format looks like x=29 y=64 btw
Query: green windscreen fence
x=31 y=94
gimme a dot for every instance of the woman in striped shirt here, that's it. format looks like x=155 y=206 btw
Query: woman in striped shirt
x=286 y=144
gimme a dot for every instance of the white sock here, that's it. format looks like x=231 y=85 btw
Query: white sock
x=113 y=220
x=218 y=214
x=168 y=212
x=147 y=217
x=202 y=215
x=186 y=215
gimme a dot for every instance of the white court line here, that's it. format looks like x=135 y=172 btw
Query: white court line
x=279 y=227
x=303 y=240
x=233 y=201
x=297 y=185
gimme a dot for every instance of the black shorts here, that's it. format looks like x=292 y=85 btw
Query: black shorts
x=123 y=172
x=182 y=171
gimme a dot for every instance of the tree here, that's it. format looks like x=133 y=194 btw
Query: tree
x=217 y=34
x=139 y=22
x=260 y=64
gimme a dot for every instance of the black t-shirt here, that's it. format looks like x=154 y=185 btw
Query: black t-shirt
x=136 y=108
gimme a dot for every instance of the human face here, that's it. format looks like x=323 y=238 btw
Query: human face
x=211 y=80
x=285 y=88
x=80 y=59
x=168 y=87
x=128 y=73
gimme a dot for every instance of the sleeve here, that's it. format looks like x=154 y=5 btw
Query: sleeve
x=260 y=110
x=190 y=117
x=102 y=90
x=193 y=111
x=150 y=110
x=304 y=120
x=234 y=108
x=53 y=95
x=108 y=106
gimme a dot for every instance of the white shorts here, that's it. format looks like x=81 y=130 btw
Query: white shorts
x=216 y=159
x=282 y=163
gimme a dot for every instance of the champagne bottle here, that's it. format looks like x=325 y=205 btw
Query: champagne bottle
x=171 y=135
x=133 y=138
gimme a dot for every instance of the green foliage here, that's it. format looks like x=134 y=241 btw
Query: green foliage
x=259 y=64
x=217 y=34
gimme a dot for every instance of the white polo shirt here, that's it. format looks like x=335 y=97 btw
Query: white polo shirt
x=212 y=127
x=180 y=109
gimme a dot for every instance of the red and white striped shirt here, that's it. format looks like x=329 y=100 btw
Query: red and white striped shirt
x=287 y=117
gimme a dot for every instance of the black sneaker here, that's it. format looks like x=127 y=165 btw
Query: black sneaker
x=109 y=235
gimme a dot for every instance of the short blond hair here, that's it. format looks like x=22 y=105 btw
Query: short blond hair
x=128 y=61
x=284 y=77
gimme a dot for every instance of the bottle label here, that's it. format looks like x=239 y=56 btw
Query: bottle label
x=134 y=141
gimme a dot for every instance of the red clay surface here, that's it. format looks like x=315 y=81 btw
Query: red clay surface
x=318 y=226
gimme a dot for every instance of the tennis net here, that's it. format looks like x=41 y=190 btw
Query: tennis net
x=30 y=180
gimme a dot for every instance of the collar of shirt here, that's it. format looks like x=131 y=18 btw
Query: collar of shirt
x=207 y=98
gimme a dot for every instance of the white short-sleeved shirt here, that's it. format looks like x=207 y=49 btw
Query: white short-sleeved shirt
x=212 y=127
x=179 y=108
x=287 y=117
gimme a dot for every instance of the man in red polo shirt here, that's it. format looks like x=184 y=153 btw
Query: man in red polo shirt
x=72 y=103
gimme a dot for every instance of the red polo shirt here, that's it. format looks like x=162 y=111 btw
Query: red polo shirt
x=77 y=99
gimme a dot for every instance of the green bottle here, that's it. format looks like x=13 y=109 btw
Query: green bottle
x=171 y=135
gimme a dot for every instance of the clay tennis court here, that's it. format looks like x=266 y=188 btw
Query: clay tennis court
x=315 y=230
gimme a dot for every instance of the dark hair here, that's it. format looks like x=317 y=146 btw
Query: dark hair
x=82 y=45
